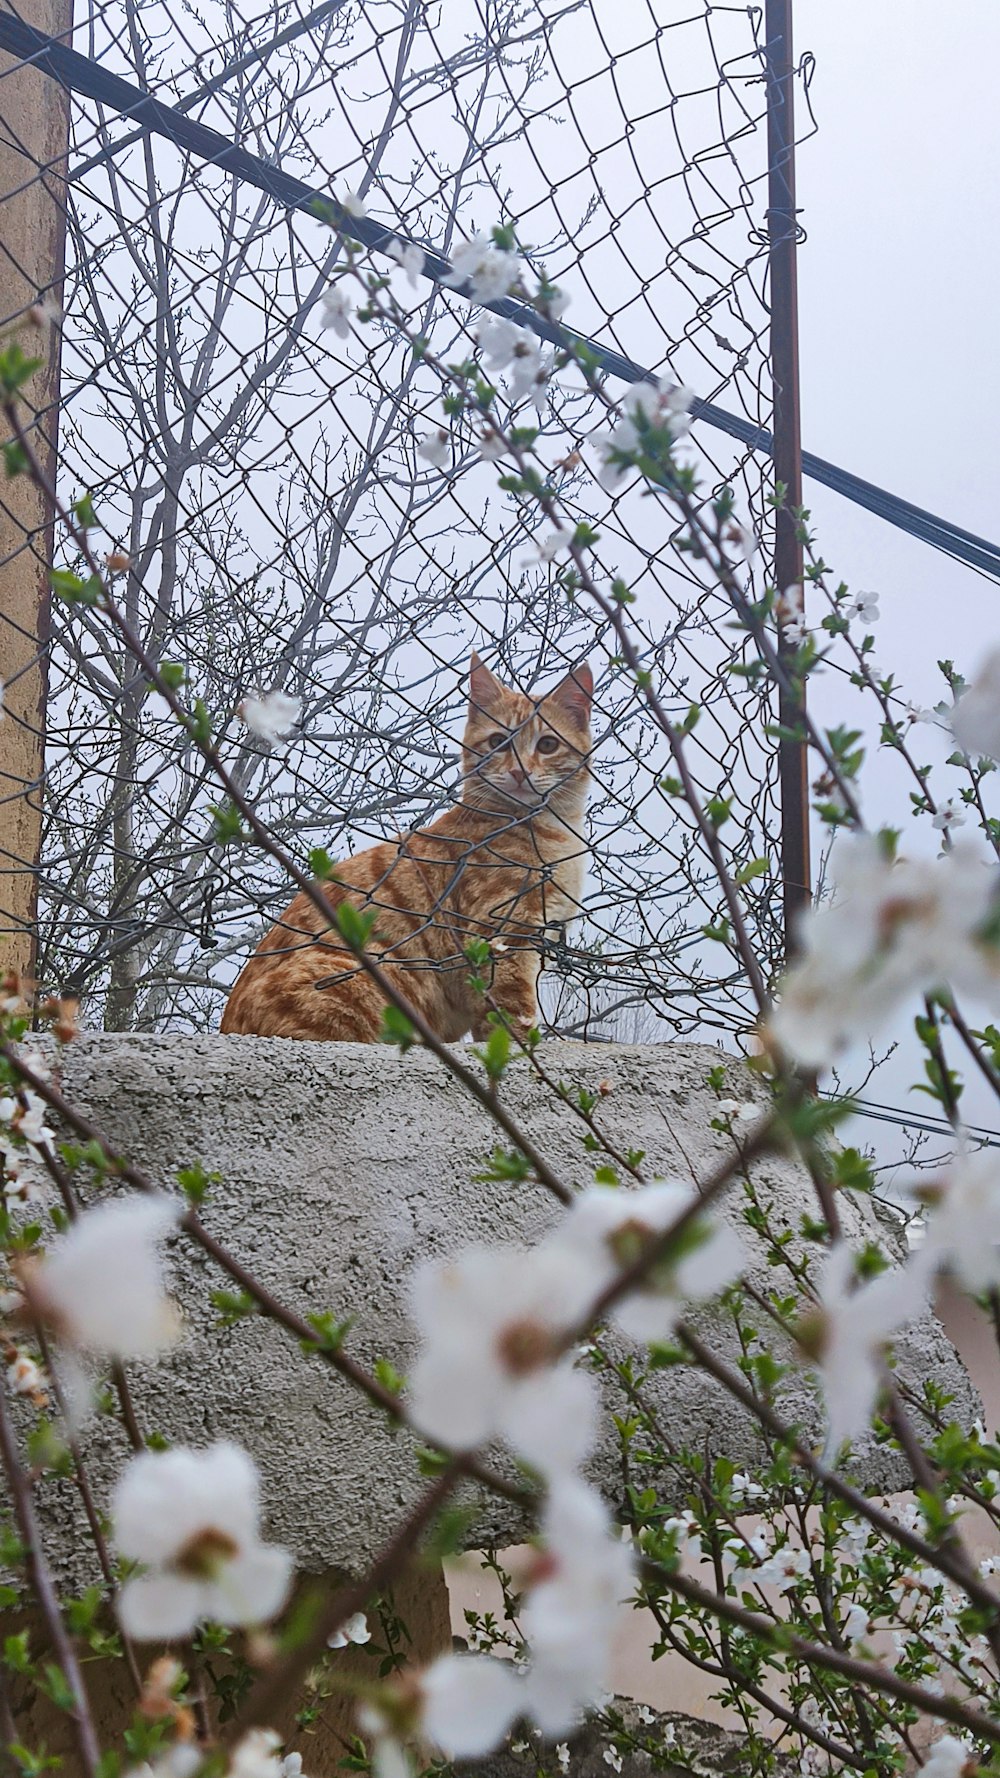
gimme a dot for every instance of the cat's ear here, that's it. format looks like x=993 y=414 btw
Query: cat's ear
x=574 y=693
x=484 y=688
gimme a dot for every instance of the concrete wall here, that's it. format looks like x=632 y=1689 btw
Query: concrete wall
x=340 y=1166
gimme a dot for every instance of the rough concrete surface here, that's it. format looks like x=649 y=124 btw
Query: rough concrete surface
x=652 y=1742
x=340 y=1166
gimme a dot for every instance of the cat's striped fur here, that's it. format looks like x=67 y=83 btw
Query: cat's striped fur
x=504 y=863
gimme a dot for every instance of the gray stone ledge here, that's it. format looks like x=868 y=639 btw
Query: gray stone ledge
x=343 y=1164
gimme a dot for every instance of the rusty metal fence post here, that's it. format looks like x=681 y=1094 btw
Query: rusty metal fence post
x=786 y=430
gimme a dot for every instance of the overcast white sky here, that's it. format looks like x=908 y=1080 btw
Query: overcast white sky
x=900 y=377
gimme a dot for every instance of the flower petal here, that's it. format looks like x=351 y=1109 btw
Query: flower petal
x=160 y=1607
x=470 y=1702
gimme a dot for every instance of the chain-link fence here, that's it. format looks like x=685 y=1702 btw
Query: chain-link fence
x=263 y=475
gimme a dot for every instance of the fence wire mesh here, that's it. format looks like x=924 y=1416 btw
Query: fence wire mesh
x=264 y=478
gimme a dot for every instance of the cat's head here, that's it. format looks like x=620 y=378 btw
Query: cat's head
x=521 y=755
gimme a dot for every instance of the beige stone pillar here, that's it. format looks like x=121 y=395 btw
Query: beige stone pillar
x=34 y=133
x=417 y=1610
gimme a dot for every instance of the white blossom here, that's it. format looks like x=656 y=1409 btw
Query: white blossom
x=891 y=929
x=855 y=1536
x=193 y=1518
x=653 y=404
x=354 y=205
x=612 y=1758
x=529 y=371
x=489 y=270
x=963 y=1233
x=100 y=1287
x=389 y=1757
x=354 y=1629
x=742 y=1488
x=435 y=447
x=23 y=1181
x=468 y=1703
x=498 y=339
x=790 y=611
x=856 y=1626
x=491 y=1322
x=741 y=1111
x=257 y=1755
x=784 y=1568
x=569 y=1616
x=647 y=406
x=462 y=1705
x=947 y=816
x=975 y=720
x=606 y=1230
x=552 y=302
x=744 y=1552
x=270 y=715
x=563 y=1756
x=409 y=258
x=24 y=1376
x=949 y=1758
x=25 y=1113
x=687 y=1533
x=546 y=548
x=492 y=445
x=919 y=713
x=291 y=1766
x=850 y=1331
x=864 y=607
x=180 y=1761
x=336 y=311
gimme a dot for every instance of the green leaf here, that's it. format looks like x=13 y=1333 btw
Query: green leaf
x=73 y=589
x=431 y=1463
x=200 y=723
x=756 y=868
x=495 y=1053
x=16 y=1653
x=397 y=1028
x=15 y=459
x=83 y=511
x=355 y=925
x=233 y=1305
x=718 y=809
x=195 y=1183
x=321 y=865
x=505 y=1166
x=227 y=825
x=330 y=1333
x=173 y=674
x=16 y=368
x=54 y=1682
x=386 y=1373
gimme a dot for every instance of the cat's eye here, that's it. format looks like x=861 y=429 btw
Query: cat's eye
x=548 y=744
x=495 y=742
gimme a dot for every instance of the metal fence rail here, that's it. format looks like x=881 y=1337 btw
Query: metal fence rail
x=263 y=477
x=263 y=474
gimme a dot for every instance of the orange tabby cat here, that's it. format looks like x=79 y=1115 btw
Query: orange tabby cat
x=502 y=865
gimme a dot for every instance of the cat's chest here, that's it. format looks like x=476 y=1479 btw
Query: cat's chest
x=565 y=866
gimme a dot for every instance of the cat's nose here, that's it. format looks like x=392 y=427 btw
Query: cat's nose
x=519 y=775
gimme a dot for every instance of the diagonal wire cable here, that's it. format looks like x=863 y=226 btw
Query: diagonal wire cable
x=81 y=74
